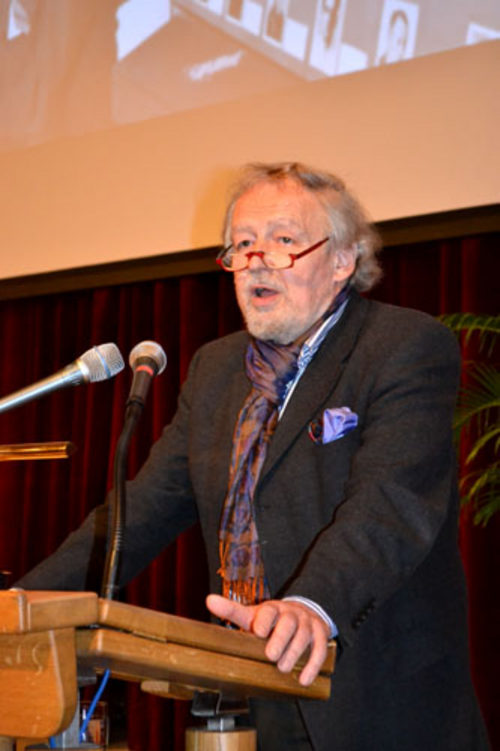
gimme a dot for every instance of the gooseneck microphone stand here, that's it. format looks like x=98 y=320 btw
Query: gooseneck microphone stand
x=118 y=497
x=147 y=360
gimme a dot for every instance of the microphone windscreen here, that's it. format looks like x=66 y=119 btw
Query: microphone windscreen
x=150 y=350
x=102 y=362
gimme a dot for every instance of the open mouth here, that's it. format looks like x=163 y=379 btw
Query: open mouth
x=263 y=292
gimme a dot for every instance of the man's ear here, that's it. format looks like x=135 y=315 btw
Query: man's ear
x=344 y=264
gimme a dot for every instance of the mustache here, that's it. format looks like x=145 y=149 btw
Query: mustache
x=261 y=278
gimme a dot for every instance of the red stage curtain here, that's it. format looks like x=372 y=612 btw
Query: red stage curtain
x=41 y=502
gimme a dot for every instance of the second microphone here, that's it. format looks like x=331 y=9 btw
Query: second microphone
x=147 y=360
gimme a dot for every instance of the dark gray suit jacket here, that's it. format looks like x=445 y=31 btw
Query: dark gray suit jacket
x=366 y=525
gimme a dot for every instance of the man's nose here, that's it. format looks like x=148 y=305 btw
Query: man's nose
x=256 y=260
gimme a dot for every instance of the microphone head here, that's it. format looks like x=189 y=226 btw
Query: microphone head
x=151 y=351
x=101 y=362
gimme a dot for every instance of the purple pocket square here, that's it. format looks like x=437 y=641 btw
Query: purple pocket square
x=334 y=423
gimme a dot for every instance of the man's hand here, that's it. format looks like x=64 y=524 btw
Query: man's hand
x=291 y=627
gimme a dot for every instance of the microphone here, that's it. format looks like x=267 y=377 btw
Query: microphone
x=97 y=364
x=147 y=360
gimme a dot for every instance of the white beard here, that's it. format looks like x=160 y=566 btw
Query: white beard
x=267 y=327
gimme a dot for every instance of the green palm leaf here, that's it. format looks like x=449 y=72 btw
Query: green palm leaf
x=487 y=328
x=481 y=493
x=479 y=400
x=478 y=415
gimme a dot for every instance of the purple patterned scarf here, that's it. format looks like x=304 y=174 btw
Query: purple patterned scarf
x=269 y=367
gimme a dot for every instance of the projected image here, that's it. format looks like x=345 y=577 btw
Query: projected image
x=398 y=31
x=477 y=34
x=18 y=20
x=325 y=47
x=137 y=21
x=57 y=62
x=284 y=30
x=276 y=16
x=235 y=9
x=69 y=67
x=247 y=14
x=213 y=5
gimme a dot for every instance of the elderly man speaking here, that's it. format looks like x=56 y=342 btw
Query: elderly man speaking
x=315 y=450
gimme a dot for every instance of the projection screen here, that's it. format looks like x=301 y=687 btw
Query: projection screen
x=122 y=122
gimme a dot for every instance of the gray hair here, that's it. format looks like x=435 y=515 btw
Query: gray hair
x=350 y=225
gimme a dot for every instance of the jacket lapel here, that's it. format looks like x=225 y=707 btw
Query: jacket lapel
x=318 y=381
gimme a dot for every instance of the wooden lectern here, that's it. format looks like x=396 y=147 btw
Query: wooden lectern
x=46 y=636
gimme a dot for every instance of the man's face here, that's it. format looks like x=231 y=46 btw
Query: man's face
x=281 y=305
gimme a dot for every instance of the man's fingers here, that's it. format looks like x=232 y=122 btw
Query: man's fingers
x=228 y=610
x=292 y=628
x=284 y=634
x=294 y=633
x=319 y=649
x=264 y=619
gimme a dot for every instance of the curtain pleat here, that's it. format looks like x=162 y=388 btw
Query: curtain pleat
x=41 y=502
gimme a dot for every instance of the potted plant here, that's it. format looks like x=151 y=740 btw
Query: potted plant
x=477 y=418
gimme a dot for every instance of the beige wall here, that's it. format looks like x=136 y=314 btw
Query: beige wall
x=413 y=138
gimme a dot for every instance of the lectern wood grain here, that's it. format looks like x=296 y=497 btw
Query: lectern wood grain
x=140 y=658
x=37 y=683
x=42 y=634
x=24 y=612
x=152 y=624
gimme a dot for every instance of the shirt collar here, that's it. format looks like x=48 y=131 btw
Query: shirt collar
x=311 y=346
